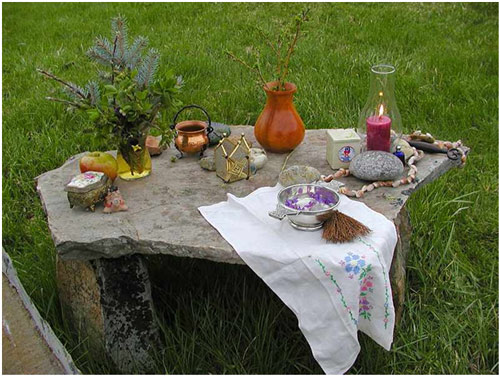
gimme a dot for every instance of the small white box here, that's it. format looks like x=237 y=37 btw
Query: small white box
x=341 y=147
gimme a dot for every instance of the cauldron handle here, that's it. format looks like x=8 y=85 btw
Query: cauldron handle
x=209 y=128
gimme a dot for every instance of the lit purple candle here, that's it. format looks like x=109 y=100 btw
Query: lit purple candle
x=378 y=132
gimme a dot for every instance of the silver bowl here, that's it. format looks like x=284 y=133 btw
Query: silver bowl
x=302 y=204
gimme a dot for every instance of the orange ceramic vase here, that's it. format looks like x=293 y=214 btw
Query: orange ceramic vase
x=279 y=128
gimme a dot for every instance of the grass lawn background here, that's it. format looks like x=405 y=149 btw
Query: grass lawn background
x=220 y=318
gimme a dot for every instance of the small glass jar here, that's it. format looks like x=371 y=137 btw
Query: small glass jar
x=379 y=125
x=134 y=161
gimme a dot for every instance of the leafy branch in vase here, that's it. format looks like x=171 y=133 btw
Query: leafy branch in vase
x=130 y=96
x=283 y=48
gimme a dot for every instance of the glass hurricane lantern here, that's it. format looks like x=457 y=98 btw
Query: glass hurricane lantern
x=379 y=125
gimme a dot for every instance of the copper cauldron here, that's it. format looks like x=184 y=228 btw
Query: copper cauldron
x=192 y=135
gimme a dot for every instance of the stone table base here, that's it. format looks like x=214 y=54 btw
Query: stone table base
x=109 y=300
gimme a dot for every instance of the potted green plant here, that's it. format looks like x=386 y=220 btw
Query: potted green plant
x=279 y=127
x=126 y=100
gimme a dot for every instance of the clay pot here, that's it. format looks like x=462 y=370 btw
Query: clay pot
x=279 y=128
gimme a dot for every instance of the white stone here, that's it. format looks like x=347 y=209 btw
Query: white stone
x=341 y=147
x=258 y=157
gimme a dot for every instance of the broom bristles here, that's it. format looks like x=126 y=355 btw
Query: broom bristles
x=340 y=228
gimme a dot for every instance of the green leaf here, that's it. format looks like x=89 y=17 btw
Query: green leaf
x=142 y=94
x=93 y=114
x=110 y=89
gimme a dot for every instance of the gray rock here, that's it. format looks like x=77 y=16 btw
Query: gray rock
x=299 y=175
x=376 y=165
x=218 y=133
x=208 y=163
x=258 y=157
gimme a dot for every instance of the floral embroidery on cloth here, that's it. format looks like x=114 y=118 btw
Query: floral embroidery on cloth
x=355 y=264
x=338 y=290
x=386 y=282
x=366 y=287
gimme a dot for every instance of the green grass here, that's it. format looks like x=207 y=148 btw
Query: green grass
x=221 y=318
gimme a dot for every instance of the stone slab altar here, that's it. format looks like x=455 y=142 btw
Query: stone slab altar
x=102 y=276
x=163 y=216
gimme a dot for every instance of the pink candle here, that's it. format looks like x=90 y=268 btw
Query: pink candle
x=378 y=133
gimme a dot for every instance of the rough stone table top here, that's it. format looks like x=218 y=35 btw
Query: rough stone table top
x=163 y=216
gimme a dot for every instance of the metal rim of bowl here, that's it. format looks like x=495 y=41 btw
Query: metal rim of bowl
x=315 y=212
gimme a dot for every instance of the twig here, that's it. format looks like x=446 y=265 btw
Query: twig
x=279 y=43
x=266 y=39
x=74 y=104
x=245 y=64
x=286 y=160
x=113 y=69
x=258 y=69
x=291 y=48
x=113 y=61
x=62 y=82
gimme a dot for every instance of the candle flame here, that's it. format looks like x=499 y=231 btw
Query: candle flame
x=381 y=110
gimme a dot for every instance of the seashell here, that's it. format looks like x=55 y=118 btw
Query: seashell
x=350 y=193
x=396 y=183
x=328 y=178
x=370 y=187
x=360 y=194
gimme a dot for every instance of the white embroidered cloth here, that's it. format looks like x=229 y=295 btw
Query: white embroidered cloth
x=333 y=289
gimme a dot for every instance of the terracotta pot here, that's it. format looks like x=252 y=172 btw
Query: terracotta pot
x=279 y=128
